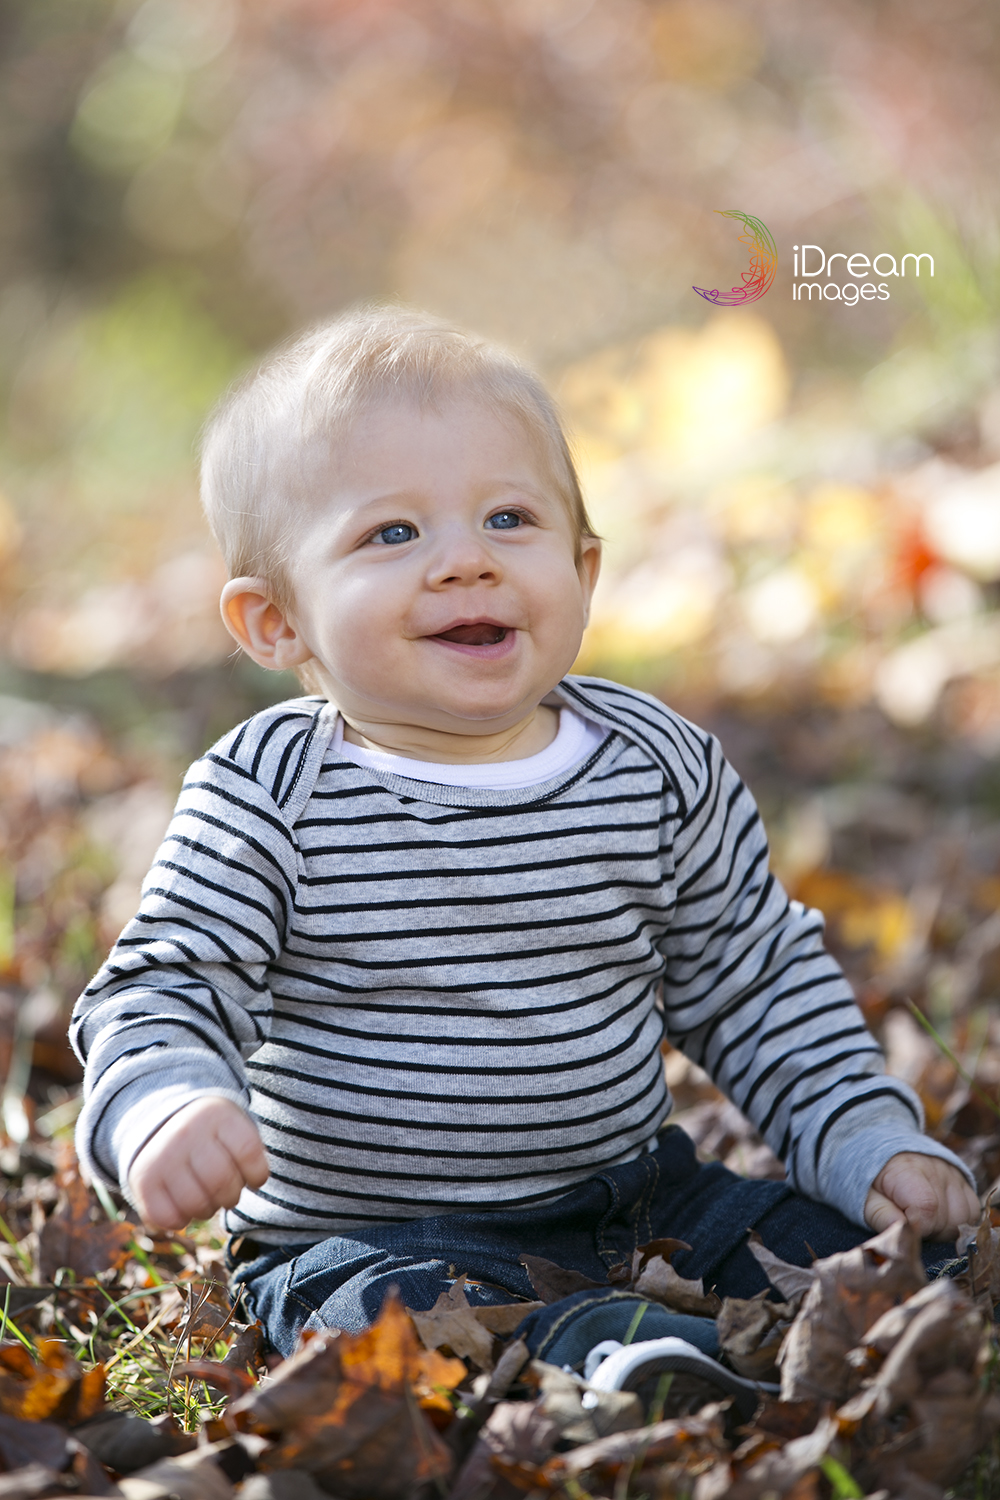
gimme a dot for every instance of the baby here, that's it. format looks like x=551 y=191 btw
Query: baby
x=396 y=992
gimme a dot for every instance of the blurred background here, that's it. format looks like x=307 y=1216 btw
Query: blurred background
x=800 y=501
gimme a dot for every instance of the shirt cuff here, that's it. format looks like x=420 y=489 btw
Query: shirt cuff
x=853 y=1169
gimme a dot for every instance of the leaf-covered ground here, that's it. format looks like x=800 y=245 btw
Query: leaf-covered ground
x=124 y=1369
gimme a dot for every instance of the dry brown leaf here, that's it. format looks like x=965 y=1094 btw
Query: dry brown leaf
x=947 y=1331
x=562 y=1397
x=791 y=1281
x=659 y=1282
x=787 y=1419
x=78 y=1238
x=751 y=1331
x=982 y=1245
x=518 y=1436
x=189 y=1476
x=24 y=1442
x=953 y=1429
x=779 y=1471
x=56 y=1386
x=850 y=1292
x=690 y=1440
x=551 y=1282
x=126 y=1443
x=890 y=1327
x=204 y=1320
x=247 y=1347
x=451 y=1324
x=347 y=1407
x=503 y=1318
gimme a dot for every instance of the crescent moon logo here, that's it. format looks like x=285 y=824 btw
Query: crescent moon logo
x=763 y=263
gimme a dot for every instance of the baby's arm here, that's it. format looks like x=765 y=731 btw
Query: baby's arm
x=184 y=998
x=199 y=1161
x=752 y=996
x=932 y=1194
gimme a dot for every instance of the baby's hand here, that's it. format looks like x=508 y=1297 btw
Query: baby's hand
x=199 y=1160
x=930 y=1193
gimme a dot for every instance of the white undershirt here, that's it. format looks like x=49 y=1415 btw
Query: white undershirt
x=576 y=740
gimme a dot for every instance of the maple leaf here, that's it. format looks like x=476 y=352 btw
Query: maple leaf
x=552 y=1283
x=659 y=1282
x=452 y=1324
x=791 y=1281
x=751 y=1331
x=850 y=1292
x=78 y=1235
x=55 y=1386
x=348 y=1409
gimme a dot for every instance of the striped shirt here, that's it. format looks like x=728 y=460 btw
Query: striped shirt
x=433 y=996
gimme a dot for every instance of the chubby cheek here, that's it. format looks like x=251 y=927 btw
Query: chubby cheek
x=359 y=639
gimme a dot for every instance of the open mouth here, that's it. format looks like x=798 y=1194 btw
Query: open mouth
x=480 y=634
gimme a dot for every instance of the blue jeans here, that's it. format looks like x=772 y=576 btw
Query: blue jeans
x=342 y=1282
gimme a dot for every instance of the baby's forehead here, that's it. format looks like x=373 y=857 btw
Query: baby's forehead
x=402 y=444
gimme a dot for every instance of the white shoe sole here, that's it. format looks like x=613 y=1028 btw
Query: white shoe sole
x=628 y=1366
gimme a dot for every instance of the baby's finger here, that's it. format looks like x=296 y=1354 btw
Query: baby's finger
x=157 y=1206
x=219 y=1178
x=242 y=1140
x=880 y=1211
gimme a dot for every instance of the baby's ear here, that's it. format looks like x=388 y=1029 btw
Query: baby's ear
x=589 y=568
x=268 y=636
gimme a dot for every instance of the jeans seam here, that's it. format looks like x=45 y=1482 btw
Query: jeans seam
x=653 y=1173
x=610 y=1257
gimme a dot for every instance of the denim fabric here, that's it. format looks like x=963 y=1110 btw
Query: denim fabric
x=342 y=1282
x=565 y=1332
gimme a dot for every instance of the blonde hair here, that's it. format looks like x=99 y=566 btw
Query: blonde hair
x=269 y=441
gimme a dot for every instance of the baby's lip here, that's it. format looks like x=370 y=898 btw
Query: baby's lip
x=480 y=632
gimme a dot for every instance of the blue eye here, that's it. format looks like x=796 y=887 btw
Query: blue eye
x=402 y=531
x=504 y=520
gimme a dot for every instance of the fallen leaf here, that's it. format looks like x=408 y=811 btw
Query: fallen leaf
x=451 y=1324
x=778 y=1472
x=850 y=1292
x=78 y=1236
x=190 y=1476
x=551 y=1282
x=126 y=1443
x=26 y=1442
x=953 y=1429
x=55 y=1386
x=503 y=1318
x=787 y=1419
x=983 y=1250
x=659 y=1282
x=948 y=1330
x=247 y=1347
x=517 y=1438
x=691 y=1440
x=562 y=1397
x=751 y=1331
x=791 y=1281
x=347 y=1408
x=509 y=1366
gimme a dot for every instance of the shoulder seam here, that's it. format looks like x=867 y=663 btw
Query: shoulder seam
x=582 y=693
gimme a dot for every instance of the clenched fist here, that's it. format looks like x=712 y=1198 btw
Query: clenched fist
x=929 y=1193
x=199 y=1161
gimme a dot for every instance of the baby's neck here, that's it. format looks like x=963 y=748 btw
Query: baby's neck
x=416 y=742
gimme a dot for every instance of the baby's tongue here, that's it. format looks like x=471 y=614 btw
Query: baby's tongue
x=474 y=635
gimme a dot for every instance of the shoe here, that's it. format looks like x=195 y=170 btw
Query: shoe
x=697 y=1378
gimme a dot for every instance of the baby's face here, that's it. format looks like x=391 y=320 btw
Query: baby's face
x=435 y=581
